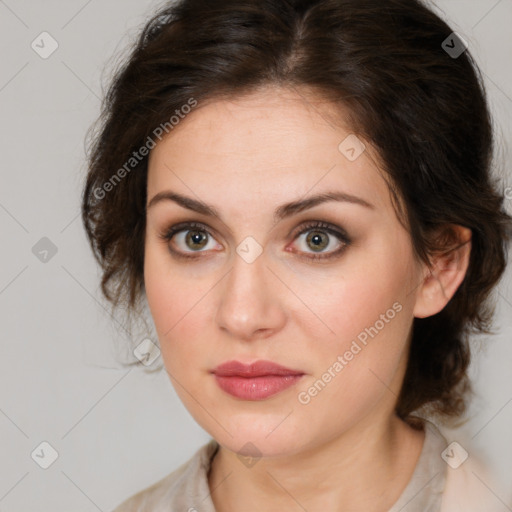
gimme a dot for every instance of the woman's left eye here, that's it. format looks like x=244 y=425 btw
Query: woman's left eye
x=319 y=236
x=316 y=235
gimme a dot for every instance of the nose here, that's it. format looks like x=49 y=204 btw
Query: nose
x=250 y=306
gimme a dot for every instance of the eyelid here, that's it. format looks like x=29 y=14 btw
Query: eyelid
x=185 y=226
x=321 y=226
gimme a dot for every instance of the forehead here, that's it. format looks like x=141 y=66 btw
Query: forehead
x=276 y=144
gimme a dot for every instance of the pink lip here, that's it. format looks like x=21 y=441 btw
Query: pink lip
x=256 y=369
x=256 y=381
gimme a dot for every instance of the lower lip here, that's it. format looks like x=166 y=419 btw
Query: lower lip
x=256 y=388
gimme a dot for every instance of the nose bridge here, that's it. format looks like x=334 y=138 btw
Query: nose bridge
x=248 y=303
x=247 y=276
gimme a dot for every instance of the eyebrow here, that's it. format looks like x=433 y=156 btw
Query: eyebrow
x=282 y=212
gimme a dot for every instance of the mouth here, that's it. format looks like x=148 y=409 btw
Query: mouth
x=257 y=381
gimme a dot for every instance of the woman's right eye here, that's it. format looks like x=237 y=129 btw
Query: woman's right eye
x=192 y=236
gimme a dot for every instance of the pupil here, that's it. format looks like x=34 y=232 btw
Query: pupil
x=196 y=238
x=316 y=238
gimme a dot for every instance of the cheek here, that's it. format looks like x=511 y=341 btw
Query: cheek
x=369 y=309
x=177 y=306
x=367 y=291
x=362 y=366
x=370 y=336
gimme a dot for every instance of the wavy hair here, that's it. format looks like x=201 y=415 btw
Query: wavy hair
x=422 y=107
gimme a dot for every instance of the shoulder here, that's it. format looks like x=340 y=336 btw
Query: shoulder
x=471 y=487
x=459 y=481
x=177 y=491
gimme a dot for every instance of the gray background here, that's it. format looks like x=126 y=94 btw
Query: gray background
x=117 y=429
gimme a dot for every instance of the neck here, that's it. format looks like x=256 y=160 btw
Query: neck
x=365 y=469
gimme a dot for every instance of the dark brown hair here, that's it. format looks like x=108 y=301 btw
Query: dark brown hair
x=423 y=108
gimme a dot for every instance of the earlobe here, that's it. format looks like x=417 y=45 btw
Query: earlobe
x=445 y=274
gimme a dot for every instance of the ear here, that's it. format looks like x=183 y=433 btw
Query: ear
x=445 y=273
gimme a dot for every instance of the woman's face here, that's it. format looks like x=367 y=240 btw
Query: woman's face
x=244 y=284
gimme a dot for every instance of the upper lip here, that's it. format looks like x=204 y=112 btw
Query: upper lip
x=256 y=369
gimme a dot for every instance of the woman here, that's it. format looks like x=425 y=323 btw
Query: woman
x=302 y=192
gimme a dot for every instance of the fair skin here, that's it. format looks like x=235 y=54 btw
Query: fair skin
x=345 y=449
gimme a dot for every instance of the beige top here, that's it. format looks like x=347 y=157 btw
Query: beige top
x=435 y=486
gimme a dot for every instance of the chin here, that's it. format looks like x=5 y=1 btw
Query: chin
x=262 y=440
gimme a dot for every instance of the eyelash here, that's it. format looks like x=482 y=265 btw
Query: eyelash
x=308 y=226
